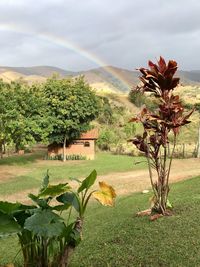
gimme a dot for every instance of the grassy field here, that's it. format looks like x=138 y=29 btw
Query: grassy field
x=116 y=237
x=35 y=169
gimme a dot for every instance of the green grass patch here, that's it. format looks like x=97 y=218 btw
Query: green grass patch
x=116 y=237
x=25 y=159
x=104 y=163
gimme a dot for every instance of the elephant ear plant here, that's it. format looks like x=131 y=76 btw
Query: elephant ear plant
x=51 y=228
x=166 y=120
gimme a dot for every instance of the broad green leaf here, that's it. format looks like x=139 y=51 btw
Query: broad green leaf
x=8 y=225
x=43 y=203
x=88 y=182
x=10 y=208
x=55 y=190
x=45 y=223
x=67 y=232
x=45 y=181
x=21 y=216
x=61 y=207
x=71 y=199
x=106 y=195
x=75 y=237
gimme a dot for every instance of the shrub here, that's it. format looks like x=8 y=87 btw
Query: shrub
x=46 y=237
x=68 y=157
x=169 y=117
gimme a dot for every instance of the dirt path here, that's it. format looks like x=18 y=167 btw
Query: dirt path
x=133 y=181
x=9 y=172
x=136 y=181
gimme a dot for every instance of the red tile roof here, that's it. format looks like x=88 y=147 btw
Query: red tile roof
x=92 y=134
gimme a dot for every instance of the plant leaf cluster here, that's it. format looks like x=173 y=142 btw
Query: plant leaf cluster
x=170 y=116
x=51 y=228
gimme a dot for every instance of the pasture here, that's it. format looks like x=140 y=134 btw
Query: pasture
x=116 y=236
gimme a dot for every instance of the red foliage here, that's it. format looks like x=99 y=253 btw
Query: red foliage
x=159 y=80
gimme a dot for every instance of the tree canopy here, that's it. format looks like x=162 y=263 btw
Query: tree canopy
x=56 y=111
x=71 y=107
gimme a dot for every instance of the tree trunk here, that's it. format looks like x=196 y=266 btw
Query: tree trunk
x=4 y=147
x=64 y=149
x=69 y=249
x=183 y=150
x=1 y=150
x=16 y=147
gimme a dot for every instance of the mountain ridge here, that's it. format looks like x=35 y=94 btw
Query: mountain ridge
x=108 y=78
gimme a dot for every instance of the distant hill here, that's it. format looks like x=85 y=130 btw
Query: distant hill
x=45 y=71
x=189 y=77
x=103 y=79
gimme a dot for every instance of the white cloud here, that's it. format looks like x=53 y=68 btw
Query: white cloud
x=123 y=33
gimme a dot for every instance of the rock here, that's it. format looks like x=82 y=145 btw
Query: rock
x=145 y=191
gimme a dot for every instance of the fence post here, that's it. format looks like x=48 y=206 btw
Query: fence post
x=183 y=145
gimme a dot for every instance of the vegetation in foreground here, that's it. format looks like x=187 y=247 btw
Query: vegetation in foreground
x=119 y=238
x=47 y=235
x=167 y=119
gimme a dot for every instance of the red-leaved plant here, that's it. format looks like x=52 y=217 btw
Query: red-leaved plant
x=159 y=80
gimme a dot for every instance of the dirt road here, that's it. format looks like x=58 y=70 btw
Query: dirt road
x=129 y=182
x=136 y=181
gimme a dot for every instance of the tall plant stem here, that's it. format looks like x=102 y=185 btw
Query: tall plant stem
x=150 y=170
x=69 y=215
x=64 y=148
x=170 y=162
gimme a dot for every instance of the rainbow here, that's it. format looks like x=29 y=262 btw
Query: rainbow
x=63 y=42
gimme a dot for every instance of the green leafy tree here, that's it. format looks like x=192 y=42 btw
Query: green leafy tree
x=5 y=108
x=22 y=114
x=106 y=139
x=106 y=112
x=25 y=118
x=71 y=107
x=137 y=98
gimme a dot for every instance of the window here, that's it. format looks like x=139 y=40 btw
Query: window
x=87 y=144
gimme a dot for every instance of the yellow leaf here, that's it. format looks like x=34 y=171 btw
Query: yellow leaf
x=106 y=195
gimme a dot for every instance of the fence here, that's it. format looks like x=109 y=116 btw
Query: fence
x=184 y=150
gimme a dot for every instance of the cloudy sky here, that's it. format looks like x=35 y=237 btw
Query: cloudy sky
x=82 y=34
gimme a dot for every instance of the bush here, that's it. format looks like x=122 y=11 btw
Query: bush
x=47 y=235
x=139 y=99
x=68 y=157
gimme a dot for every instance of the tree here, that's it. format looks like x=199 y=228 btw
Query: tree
x=71 y=107
x=25 y=117
x=106 y=139
x=168 y=118
x=22 y=110
x=4 y=109
x=106 y=112
x=139 y=99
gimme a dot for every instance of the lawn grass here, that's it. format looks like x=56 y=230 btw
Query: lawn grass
x=115 y=237
x=104 y=163
x=22 y=160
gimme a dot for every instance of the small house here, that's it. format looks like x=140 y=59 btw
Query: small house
x=84 y=146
